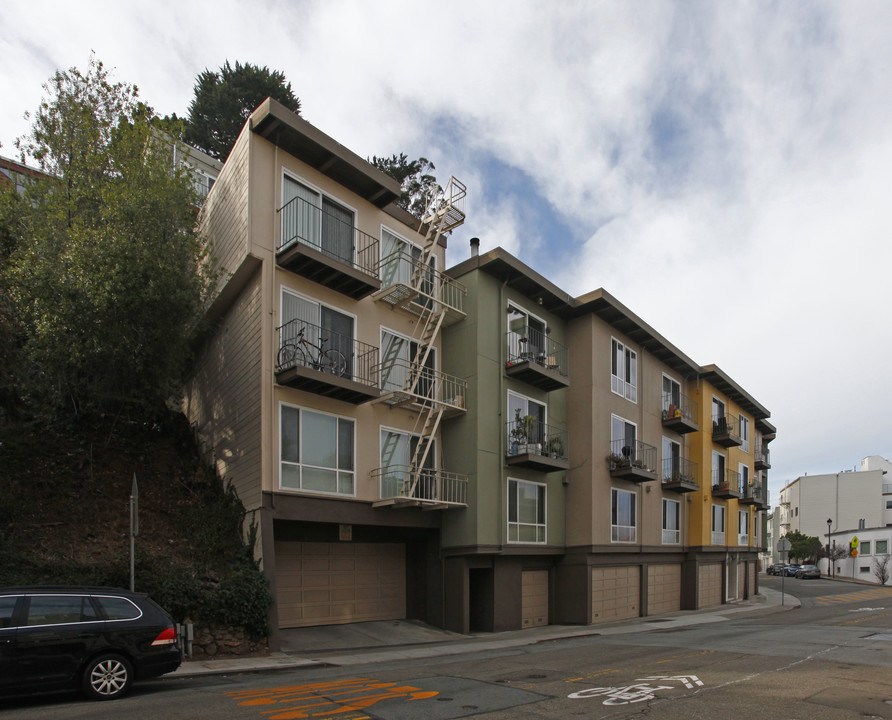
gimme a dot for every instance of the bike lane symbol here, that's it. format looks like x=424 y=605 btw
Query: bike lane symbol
x=638 y=692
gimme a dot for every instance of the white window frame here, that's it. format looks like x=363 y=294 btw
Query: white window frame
x=395 y=378
x=623 y=533
x=744 y=474
x=719 y=475
x=885 y=550
x=743 y=532
x=623 y=371
x=525 y=400
x=718 y=405
x=315 y=189
x=674 y=388
x=668 y=444
x=402 y=273
x=718 y=514
x=744 y=430
x=540 y=529
x=634 y=425
x=671 y=536
x=300 y=465
x=516 y=347
x=864 y=548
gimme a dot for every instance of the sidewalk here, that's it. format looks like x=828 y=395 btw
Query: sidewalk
x=364 y=643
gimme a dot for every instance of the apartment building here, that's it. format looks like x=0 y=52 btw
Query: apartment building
x=320 y=396
x=470 y=447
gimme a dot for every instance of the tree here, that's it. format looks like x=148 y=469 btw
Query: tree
x=418 y=185
x=224 y=99
x=881 y=569
x=803 y=547
x=105 y=276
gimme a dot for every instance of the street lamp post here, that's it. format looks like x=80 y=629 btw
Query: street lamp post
x=829 y=559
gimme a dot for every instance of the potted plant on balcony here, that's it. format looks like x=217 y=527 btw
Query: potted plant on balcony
x=555 y=446
x=518 y=434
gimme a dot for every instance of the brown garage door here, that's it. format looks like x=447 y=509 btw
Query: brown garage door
x=663 y=588
x=709 y=590
x=616 y=593
x=534 y=600
x=333 y=583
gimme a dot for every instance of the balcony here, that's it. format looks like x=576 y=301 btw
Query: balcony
x=762 y=459
x=321 y=361
x=680 y=475
x=430 y=489
x=328 y=250
x=680 y=414
x=725 y=431
x=537 y=359
x=535 y=445
x=408 y=385
x=407 y=284
x=635 y=461
x=753 y=495
x=726 y=485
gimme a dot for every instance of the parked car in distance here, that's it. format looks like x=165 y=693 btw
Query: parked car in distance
x=808 y=571
x=790 y=570
x=100 y=640
x=775 y=569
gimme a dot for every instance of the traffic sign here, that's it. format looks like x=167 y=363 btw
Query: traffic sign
x=784 y=545
x=854 y=552
x=855 y=542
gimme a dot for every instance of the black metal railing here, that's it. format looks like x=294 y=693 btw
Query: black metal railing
x=679 y=406
x=528 y=436
x=728 y=481
x=634 y=454
x=763 y=456
x=312 y=346
x=724 y=425
x=531 y=345
x=309 y=224
x=676 y=470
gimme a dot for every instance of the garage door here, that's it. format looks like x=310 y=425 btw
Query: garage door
x=332 y=583
x=616 y=593
x=709 y=587
x=663 y=588
x=534 y=601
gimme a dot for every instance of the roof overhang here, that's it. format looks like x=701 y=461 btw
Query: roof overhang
x=717 y=377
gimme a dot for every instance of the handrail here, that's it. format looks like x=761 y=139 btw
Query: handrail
x=310 y=345
x=527 y=344
x=426 y=484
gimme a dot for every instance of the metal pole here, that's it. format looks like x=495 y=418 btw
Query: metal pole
x=134 y=530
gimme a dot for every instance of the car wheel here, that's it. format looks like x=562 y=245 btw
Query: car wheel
x=107 y=677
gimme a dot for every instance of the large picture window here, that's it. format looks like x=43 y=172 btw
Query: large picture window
x=623 y=518
x=526 y=512
x=317 y=452
x=317 y=221
x=623 y=371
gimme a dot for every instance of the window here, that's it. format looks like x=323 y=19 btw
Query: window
x=60 y=610
x=882 y=547
x=718 y=469
x=623 y=526
x=744 y=478
x=671 y=394
x=398 y=355
x=316 y=452
x=718 y=525
x=719 y=421
x=118 y=608
x=322 y=328
x=526 y=336
x=623 y=438
x=743 y=530
x=745 y=433
x=888 y=504
x=864 y=569
x=865 y=548
x=624 y=371
x=399 y=262
x=671 y=460
x=317 y=221
x=671 y=525
x=526 y=512
x=527 y=422
x=862 y=524
x=7 y=607
x=398 y=448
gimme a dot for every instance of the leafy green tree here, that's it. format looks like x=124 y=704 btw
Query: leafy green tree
x=803 y=547
x=105 y=276
x=419 y=186
x=225 y=98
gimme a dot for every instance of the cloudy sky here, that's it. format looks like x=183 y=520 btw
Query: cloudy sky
x=720 y=168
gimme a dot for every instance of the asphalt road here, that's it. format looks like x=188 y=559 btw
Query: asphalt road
x=829 y=659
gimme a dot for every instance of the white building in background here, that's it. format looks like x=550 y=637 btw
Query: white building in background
x=838 y=507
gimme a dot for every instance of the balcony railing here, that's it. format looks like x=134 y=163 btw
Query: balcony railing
x=725 y=431
x=680 y=475
x=319 y=360
x=340 y=255
x=402 y=484
x=635 y=461
x=718 y=538
x=535 y=358
x=753 y=495
x=407 y=383
x=680 y=413
x=762 y=459
x=408 y=284
x=727 y=484
x=532 y=443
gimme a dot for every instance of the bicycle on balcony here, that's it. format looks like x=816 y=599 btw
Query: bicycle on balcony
x=301 y=351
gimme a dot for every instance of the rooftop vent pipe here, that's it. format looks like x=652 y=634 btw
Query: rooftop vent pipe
x=475 y=247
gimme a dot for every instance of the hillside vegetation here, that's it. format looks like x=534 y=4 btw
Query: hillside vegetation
x=65 y=517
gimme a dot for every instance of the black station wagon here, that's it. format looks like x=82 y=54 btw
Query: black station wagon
x=97 y=639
